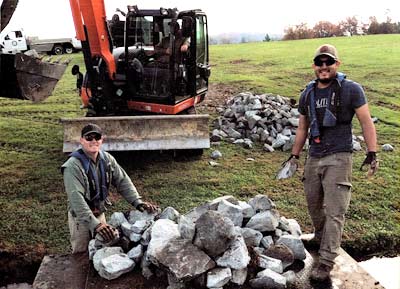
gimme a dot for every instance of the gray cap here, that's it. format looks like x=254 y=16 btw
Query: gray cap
x=328 y=50
x=91 y=128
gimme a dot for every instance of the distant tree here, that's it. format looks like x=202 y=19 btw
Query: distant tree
x=290 y=34
x=213 y=40
x=373 y=26
x=267 y=38
x=350 y=25
x=388 y=27
x=326 y=29
x=300 y=31
x=243 y=39
x=226 y=40
x=303 y=31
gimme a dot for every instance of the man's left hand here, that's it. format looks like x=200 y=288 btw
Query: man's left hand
x=370 y=160
x=146 y=206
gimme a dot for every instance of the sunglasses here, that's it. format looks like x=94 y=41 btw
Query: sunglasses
x=330 y=61
x=91 y=137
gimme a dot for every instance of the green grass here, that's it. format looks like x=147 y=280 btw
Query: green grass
x=33 y=203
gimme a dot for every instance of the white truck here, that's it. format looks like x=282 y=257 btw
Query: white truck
x=16 y=41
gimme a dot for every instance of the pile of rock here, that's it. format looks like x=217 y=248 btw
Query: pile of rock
x=220 y=242
x=266 y=118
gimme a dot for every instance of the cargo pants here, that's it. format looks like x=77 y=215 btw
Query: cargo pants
x=327 y=186
x=80 y=234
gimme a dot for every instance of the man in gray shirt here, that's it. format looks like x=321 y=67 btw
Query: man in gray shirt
x=327 y=107
x=88 y=175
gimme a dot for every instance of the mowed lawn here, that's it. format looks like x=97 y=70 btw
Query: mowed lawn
x=33 y=203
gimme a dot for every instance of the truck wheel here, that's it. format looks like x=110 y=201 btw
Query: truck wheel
x=69 y=50
x=58 y=50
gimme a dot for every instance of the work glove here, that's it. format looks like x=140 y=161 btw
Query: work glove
x=372 y=162
x=146 y=206
x=288 y=167
x=106 y=232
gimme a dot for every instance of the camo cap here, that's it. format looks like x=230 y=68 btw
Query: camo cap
x=328 y=50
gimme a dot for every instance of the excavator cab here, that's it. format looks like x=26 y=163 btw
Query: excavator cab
x=152 y=72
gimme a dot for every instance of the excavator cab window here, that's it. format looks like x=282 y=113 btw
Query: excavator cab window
x=140 y=31
x=202 y=66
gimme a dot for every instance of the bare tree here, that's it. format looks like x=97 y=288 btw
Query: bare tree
x=350 y=25
x=326 y=29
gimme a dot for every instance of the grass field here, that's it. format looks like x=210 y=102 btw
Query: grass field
x=33 y=203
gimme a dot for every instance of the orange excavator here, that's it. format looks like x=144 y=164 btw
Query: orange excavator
x=139 y=85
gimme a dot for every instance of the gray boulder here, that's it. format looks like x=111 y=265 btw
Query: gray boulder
x=214 y=233
x=184 y=260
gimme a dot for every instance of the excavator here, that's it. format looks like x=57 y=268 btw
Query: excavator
x=138 y=85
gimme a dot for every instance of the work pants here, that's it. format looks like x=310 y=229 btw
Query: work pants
x=80 y=233
x=327 y=185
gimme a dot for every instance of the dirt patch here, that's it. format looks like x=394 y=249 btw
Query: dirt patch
x=18 y=267
x=238 y=61
x=218 y=94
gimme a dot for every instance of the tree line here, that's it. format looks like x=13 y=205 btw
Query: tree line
x=349 y=27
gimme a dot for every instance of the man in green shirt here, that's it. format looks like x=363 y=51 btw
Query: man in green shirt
x=88 y=174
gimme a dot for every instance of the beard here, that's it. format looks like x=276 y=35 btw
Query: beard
x=325 y=80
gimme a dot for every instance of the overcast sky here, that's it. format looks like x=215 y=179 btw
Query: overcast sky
x=52 y=18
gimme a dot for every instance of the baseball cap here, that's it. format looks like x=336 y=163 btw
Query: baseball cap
x=91 y=128
x=328 y=50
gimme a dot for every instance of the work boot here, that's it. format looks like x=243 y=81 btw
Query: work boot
x=321 y=272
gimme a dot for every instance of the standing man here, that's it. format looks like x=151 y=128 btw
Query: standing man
x=88 y=174
x=327 y=107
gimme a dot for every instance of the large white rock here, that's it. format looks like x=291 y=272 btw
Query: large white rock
x=218 y=277
x=117 y=219
x=114 y=266
x=136 y=253
x=237 y=255
x=239 y=276
x=231 y=211
x=104 y=253
x=270 y=263
x=295 y=244
x=263 y=222
x=162 y=232
x=268 y=279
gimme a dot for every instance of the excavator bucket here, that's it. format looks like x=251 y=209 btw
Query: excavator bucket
x=27 y=77
x=158 y=132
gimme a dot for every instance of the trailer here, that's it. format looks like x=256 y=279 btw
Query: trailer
x=16 y=41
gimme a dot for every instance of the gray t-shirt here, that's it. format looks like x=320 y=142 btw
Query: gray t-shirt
x=338 y=138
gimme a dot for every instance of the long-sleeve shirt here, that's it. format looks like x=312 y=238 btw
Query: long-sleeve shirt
x=76 y=184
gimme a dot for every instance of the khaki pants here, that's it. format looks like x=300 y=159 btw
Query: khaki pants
x=327 y=185
x=80 y=234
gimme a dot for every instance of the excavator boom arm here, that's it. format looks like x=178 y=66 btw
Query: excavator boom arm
x=90 y=25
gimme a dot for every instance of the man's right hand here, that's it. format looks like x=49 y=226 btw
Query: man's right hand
x=105 y=231
x=293 y=159
x=288 y=167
